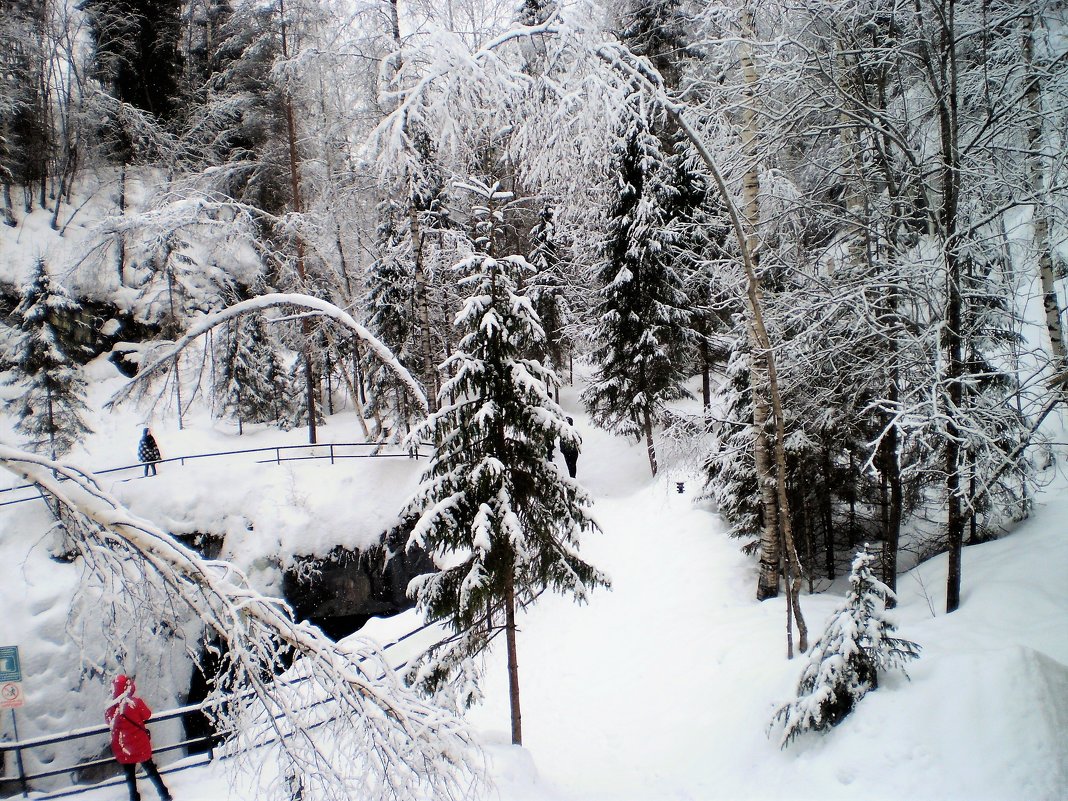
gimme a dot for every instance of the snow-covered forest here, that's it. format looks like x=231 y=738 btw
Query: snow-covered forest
x=786 y=278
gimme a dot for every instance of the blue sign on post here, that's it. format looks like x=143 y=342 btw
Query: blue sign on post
x=10 y=669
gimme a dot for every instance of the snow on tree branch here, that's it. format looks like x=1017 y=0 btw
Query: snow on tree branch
x=339 y=717
x=316 y=305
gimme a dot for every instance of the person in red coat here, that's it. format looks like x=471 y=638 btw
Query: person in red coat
x=130 y=740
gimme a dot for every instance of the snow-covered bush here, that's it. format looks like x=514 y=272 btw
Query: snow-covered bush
x=844 y=663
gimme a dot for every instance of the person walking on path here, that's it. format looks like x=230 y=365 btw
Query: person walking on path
x=570 y=451
x=148 y=452
x=130 y=739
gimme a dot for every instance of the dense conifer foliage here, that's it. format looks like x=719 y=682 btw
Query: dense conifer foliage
x=50 y=406
x=842 y=224
x=505 y=521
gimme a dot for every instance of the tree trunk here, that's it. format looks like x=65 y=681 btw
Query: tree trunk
x=422 y=309
x=706 y=377
x=770 y=539
x=513 y=661
x=747 y=251
x=8 y=210
x=1036 y=167
x=647 y=426
x=431 y=385
x=298 y=209
x=891 y=470
x=828 y=515
x=120 y=245
x=943 y=75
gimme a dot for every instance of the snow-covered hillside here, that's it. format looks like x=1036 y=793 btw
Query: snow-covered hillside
x=661 y=688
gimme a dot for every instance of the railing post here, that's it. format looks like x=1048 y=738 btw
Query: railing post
x=277 y=456
x=331 y=453
x=18 y=758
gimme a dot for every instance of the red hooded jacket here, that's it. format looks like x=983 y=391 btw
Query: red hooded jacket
x=127 y=715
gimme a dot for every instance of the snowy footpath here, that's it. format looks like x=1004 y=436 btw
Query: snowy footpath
x=661 y=688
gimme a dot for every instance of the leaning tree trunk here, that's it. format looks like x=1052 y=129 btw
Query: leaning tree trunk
x=1036 y=168
x=770 y=539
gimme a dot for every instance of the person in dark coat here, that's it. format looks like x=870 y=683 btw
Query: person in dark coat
x=570 y=452
x=148 y=452
x=130 y=739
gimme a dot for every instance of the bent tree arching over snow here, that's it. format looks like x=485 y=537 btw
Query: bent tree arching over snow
x=312 y=304
x=339 y=717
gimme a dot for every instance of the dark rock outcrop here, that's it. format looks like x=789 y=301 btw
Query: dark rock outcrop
x=341 y=591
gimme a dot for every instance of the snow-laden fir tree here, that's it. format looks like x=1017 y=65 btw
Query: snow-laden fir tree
x=253 y=378
x=391 y=302
x=731 y=479
x=50 y=408
x=845 y=662
x=547 y=290
x=502 y=521
x=642 y=328
x=24 y=125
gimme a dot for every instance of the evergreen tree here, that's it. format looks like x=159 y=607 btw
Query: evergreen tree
x=25 y=137
x=137 y=52
x=504 y=520
x=642 y=325
x=206 y=23
x=547 y=290
x=253 y=376
x=731 y=475
x=391 y=301
x=845 y=662
x=238 y=130
x=51 y=407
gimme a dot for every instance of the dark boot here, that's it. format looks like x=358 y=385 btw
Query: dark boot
x=153 y=776
x=131 y=781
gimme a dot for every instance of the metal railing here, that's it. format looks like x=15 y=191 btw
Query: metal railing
x=333 y=451
x=24 y=778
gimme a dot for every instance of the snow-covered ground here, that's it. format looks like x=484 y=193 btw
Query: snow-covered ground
x=659 y=689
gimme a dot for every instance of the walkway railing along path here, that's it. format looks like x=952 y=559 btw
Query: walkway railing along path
x=206 y=743
x=15 y=773
x=332 y=451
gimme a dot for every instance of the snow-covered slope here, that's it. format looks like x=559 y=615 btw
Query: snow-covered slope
x=661 y=688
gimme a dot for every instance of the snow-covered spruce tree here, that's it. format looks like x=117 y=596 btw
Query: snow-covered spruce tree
x=642 y=329
x=503 y=521
x=845 y=662
x=25 y=135
x=730 y=475
x=51 y=404
x=253 y=379
x=135 y=51
x=404 y=292
x=547 y=290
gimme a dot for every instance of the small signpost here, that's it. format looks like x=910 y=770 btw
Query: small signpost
x=11 y=696
x=10 y=677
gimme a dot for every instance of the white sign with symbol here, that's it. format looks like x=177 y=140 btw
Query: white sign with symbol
x=11 y=695
x=10 y=678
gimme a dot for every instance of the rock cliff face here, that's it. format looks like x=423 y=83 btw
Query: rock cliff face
x=338 y=593
x=341 y=591
x=95 y=328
